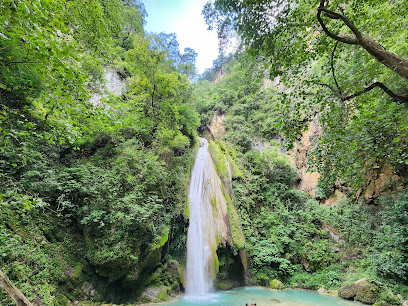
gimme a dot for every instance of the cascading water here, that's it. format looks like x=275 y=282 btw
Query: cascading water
x=198 y=279
x=209 y=225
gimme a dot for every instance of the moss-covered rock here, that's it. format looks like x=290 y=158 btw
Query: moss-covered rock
x=238 y=237
x=276 y=284
x=367 y=294
x=362 y=290
x=225 y=284
x=347 y=292
x=155 y=294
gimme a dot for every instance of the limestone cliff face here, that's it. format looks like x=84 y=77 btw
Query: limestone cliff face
x=376 y=183
x=216 y=127
x=298 y=158
x=113 y=84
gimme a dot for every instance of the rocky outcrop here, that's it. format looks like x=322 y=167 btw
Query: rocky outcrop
x=337 y=196
x=378 y=182
x=362 y=291
x=113 y=84
x=298 y=159
x=90 y=292
x=155 y=294
x=276 y=284
x=216 y=127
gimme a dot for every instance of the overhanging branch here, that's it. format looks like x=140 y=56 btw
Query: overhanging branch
x=345 y=38
x=383 y=87
x=400 y=99
x=331 y=88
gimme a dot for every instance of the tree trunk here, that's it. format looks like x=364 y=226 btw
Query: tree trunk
x=14 y=293
x=393 y=61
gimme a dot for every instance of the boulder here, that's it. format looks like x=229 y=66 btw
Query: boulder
x=399 y=296
x=348 y=292
x=362 y=290
x=155 y=294
x=89 y=292
x=276 y=284
x=225 y=284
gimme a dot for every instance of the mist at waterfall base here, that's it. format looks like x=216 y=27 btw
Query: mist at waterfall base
x=204 y=230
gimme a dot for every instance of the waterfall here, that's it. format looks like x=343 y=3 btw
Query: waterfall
x=198 y=278
x=208 y=223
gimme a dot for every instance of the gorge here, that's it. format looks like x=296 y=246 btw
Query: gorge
x=127 y=178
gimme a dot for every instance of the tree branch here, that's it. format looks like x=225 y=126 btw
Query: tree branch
x=383 y=87
x=46 y=116
x=347 y=22
x=12 y=291
x=7 y=47
x=331 y=88
x=401 y=99
x=332 y=67
x=345 y=38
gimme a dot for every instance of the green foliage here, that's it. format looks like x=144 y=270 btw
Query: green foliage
x=316 y=74
x=388 y=252
x=282 y=228
x=238 y=238
x=331 y=278
x=92 y=193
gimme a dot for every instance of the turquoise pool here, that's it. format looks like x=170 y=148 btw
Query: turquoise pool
x=262 y=297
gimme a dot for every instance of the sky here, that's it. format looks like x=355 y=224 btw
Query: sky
x=184 y=18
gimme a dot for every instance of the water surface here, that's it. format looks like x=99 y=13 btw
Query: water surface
x=262 y=297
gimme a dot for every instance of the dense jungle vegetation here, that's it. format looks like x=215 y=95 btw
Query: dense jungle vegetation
x=90 y=194
x=93 y=195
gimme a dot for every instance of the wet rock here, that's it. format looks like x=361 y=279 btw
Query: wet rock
x=155 y=294
x=173 y=269
x=90 y=292
x=226 y=284
x=347 y=292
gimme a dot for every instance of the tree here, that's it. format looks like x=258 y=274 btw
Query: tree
x=168 y=45
x=14 y=293
x=331 y=57
x=280 y=29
